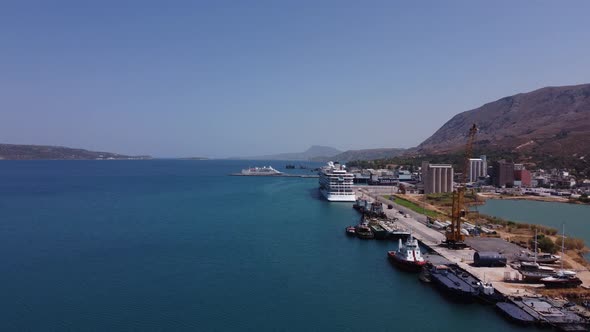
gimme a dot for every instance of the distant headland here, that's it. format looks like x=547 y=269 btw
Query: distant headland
x=47 y=152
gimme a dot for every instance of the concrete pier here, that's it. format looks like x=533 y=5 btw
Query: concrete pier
x=464 y=257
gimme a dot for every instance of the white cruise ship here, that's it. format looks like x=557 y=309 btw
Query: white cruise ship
x=261 y=171
x=336 y=183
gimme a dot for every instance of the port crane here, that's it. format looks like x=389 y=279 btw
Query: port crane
x=454 y=238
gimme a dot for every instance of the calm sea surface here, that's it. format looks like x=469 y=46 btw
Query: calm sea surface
x=179 y=245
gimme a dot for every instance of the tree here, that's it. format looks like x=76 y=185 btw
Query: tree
x=547 y=245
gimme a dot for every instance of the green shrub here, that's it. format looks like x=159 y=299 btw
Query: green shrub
x=547 y=245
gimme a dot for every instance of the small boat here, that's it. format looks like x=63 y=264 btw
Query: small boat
x=350 y=230
x=364 y=232
x=533 y=271
x=536 y=272
x=546 y=258
x=408 y=256
x=562 y=279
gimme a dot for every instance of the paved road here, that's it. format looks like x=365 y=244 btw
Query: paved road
x=416 y=222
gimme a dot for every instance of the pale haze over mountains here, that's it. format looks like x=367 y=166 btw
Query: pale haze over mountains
x=205 y=79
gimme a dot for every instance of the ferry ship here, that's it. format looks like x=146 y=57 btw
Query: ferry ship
x=336 y=183
x=260 y=171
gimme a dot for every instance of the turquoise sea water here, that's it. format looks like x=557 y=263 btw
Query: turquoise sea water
x=575 y=217
x=179 y=245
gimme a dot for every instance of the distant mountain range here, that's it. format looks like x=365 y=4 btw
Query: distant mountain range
x=365 y=154
x=326 y=153
x=33 y=152
x=552 y=121
x=314 y=152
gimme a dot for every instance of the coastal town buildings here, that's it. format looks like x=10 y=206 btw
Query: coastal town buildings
x=478 y=168
x=437 y=178
x=522 y=177
x=503 y=174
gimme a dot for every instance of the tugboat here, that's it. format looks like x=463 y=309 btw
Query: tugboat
x=407 y=256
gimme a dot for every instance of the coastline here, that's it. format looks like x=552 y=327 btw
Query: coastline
x=555 y=199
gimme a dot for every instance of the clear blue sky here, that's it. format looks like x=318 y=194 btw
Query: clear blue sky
x=234 y=78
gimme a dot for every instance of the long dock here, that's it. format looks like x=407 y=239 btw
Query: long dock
x=432 y=238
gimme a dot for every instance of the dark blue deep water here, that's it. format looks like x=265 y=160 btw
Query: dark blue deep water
x=179 y=245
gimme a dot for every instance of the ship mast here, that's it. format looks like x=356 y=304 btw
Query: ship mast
x=536 y=238
x=562 y=244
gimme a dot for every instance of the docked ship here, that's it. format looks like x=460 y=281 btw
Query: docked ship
x=260 y=171
x=407 y=256
x=336 y=183
x=458 y=284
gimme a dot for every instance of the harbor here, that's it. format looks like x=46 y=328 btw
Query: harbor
x=456 y=274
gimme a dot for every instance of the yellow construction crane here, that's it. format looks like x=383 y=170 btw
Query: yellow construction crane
x=454 y=237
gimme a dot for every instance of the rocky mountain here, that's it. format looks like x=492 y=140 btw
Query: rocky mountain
x=32 y=152
x=314 y=152
x=365 y=154
x=552 y=121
